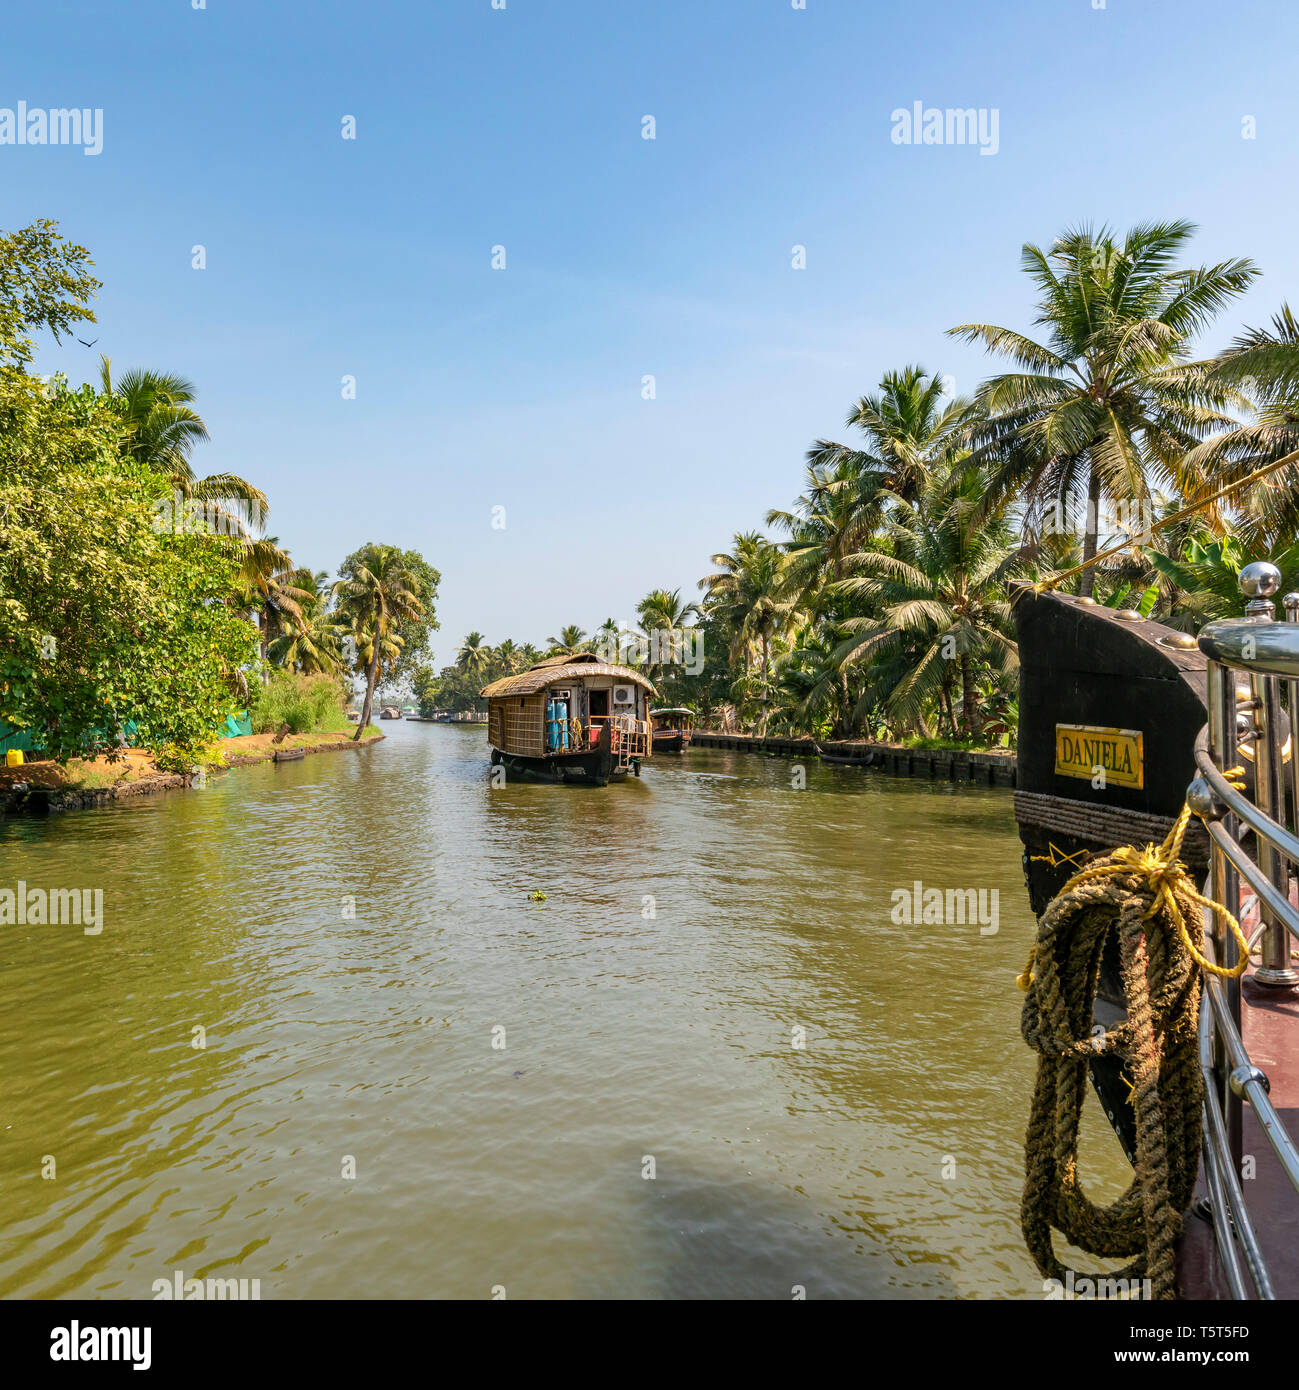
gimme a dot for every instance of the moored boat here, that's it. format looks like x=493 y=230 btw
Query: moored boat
x=571 y=718
x=1124 y=723
x=672 y=728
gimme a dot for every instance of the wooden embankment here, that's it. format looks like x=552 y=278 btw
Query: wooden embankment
x=993 y=769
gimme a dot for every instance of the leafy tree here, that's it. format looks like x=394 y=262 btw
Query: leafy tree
x=112 y=623
x=375 y=595
x=1109 y=401
x=569 y=642
x=414 y=630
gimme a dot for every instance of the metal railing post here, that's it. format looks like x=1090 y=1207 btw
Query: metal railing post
x=1258 y=582
x=1225 y=889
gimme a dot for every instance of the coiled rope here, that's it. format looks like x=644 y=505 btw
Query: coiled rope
x=1149 y=896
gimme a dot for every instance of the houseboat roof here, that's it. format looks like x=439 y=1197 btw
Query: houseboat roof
x=560 y=668
x=673 y=709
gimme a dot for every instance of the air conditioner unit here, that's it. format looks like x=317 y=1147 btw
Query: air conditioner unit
x=625 y=695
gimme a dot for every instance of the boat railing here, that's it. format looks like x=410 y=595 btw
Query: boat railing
x=630 y=737
x=1253 y=704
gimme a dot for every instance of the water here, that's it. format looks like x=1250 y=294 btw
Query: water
x=354 y=931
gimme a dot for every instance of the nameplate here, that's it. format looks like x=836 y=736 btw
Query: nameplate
x=1084 y=751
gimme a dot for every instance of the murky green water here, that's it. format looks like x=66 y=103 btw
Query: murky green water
x=881 y=1159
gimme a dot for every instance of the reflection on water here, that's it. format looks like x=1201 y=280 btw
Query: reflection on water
x=353 y=931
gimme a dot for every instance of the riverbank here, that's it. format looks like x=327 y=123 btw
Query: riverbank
x=46 y=786
x=991 y=767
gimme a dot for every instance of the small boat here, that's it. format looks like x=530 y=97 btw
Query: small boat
x=354 y=716
x=571 y=718
x=289 y=755
x=672 y=728
x=843 y=759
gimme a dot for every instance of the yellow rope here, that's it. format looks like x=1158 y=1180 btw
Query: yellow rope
x=1165 y=875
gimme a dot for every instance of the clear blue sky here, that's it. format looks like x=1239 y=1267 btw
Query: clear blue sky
x=625 y=257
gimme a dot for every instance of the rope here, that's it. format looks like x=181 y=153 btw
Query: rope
x=1149 y=895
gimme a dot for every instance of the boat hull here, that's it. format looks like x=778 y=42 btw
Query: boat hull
x=595 y=768
x=671 y=741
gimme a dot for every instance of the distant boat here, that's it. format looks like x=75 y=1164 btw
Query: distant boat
x=354 y=716
x=571 y=718
x=390 y=712
x=672 y=729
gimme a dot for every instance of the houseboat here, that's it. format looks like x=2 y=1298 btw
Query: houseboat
x=390 y=712
x=571 y=718
x=672 y=729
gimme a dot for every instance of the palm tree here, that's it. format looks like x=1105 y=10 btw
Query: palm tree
x=569 y=642
x=1109 y=401
x=375 y=595
x=662 y=616
x=267 y=588
x=162 y=429
x=314 y=646
x=1264 y=364
x=939 y=594
x=910 y=424
x=474 y=657
x=752 y=592
x=508 y=657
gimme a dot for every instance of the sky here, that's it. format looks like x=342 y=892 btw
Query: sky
x=523 y=388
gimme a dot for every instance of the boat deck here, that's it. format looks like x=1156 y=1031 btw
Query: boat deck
x=1270 y=1028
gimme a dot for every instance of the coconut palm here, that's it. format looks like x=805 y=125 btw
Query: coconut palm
x=376 y=593
x=508 y=657
x=663 y=617
x=267 y=589
x=474 y=657
x=911 y=423
x=161 y=430
x=751 y=591
x=939 y=593
x=1108 y=402
x=569 y=642
x=1262 y=363
x=314 y=646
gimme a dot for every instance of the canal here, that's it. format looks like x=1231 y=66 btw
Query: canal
x=327 y=1039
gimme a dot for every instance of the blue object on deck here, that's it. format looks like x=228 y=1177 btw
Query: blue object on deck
x=557 y=726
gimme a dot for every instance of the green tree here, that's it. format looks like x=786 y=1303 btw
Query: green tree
x=111 y=621
x=374 y=595
x=1109 y=402
x=414 y=631
x=569 y=642
x=474 y=657
x=161 y=428
x=940 y=598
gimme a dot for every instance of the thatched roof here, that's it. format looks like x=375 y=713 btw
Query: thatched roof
x=561 y=668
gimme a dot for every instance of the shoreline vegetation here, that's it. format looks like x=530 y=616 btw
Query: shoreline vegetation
x=878 y=605
x=145 y=606
x=81 y=783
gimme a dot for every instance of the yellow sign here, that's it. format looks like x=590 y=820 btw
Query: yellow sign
x=1086 y=752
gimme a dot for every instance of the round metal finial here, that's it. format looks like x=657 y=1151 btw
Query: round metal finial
x=1201 y=800
x=1259 y=580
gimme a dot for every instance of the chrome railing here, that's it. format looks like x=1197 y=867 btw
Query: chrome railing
x=1253 y=703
